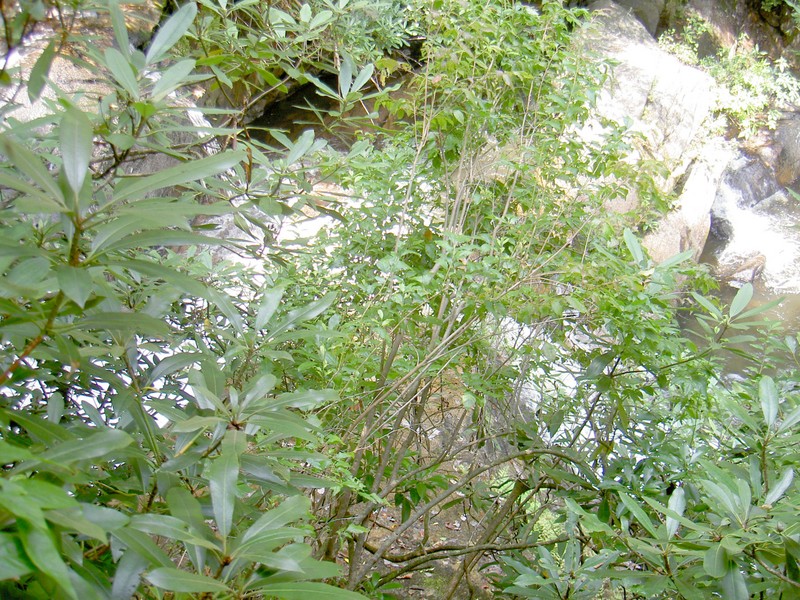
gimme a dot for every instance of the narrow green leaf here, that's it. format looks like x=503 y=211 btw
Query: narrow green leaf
x=76 y=134
x=123 y=71
x=172 y=364
x=303 y=399
x=97 y=445
x=75 y=282
x=706 y=303
x=31 y=166
x=634 y=247
x=677 y=503
x=172 y=78
x=308 y=590
x=790 y=420
x=125 y=322
x=164 y=237
x=175 y=580
x=780 y=487
x=170 y=32
x=768 y=394
x=40 y=71
x=741 y=300
x=270 y=300
x=304 y=313
x=170 y=527
x=639 y=513
x=120 y=29
x=222 y=474
x=143 y=545
x=290 y=510
x=131 y=189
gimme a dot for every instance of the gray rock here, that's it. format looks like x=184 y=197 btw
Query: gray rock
x=648 y=12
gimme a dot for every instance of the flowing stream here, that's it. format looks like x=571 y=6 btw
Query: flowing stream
x=756 y=225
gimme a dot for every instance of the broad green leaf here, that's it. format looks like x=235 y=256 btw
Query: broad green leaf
x=733 y=584
x=257 y=389
x=172 y=78
x=722 y=495
x=128 y=575
x=288 y=511
x=780 y=487
x=122 y=70
x=75 y=282
x=308 y=590
x=363 y=77
x=42 y=552
x=222 y=474
x=76 y=134
x=270 y=300
x=792 y=554
x=768 y=394
x=10 y=453
x=634 y=247
x=13 y=561
x=133 y=188
x=170 y=32
x=345 y=75
x=40 y=71
x=98 y=445
x=677 y=503
x=715 y=561
x=40 y=429
x=741 y=300
x=175 y=580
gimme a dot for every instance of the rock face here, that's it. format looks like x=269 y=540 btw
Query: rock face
x=648 y=12
x=667 y=102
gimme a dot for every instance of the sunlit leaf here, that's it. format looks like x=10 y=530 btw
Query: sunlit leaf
x=170 y=32
x=175 y=580
x=768 y=393
x=75 y=133
x=741 y=300
x=40 y=71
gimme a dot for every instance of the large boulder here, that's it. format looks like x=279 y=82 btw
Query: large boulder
x=647 y=11
x=668 y=103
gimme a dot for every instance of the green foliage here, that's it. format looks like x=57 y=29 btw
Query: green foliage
x=472 y=333
x=147 y=431
x=753 y=89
